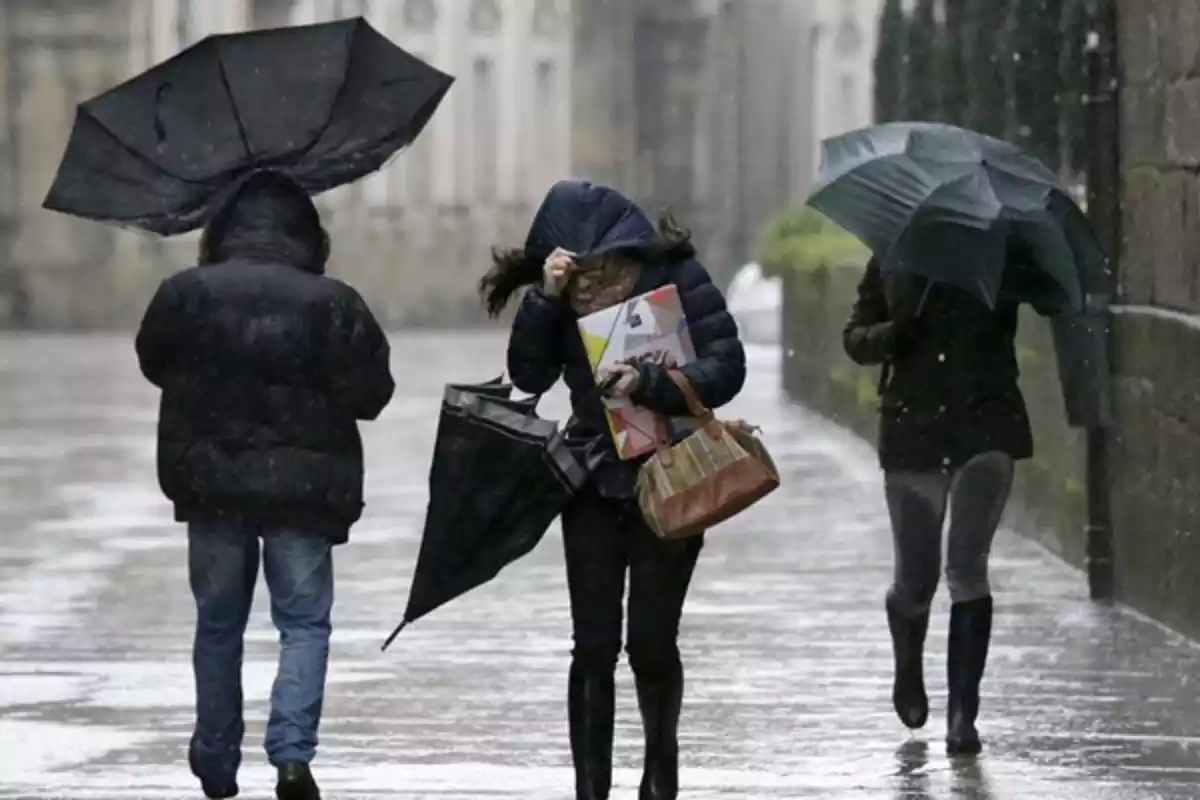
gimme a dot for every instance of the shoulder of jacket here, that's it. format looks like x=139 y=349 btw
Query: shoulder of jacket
x=689 y=275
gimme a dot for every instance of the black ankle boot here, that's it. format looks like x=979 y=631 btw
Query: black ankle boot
x=970 y=633
x=590 y=703
x=213 y=789
x=908 y=649
x=660 y=702
x=296 y=783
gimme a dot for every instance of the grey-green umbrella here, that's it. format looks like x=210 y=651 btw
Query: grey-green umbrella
x=948 y=204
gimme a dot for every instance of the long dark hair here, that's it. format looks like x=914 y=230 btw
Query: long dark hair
x=514 y=268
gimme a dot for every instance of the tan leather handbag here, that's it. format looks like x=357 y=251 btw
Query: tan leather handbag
x=718 y=471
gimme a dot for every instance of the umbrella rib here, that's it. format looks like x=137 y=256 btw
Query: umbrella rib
x=133 y=152
x=233 y=107
x=912 y=215
x=337 y=98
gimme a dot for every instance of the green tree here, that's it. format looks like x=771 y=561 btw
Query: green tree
x=1037 y=80
x=988 y=64
x=1074 y=25
x=923 y=89
x=956 y=94
x=889 y=63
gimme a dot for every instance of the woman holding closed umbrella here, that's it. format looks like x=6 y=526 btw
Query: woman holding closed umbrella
x=953 y=423
x=590 y=247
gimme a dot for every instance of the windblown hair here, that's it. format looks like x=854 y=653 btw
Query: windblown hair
x=513 y=268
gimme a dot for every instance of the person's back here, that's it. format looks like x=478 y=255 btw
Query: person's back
x=265 y=367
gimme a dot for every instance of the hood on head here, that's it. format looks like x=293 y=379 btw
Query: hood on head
x=588 y=219
x=267 y=217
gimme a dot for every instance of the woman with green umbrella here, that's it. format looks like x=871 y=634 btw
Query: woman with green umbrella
x=965 y=228
x=952 y=425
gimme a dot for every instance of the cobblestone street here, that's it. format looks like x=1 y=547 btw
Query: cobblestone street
x=784 y=636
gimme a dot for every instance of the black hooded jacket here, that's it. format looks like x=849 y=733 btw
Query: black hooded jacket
x=265 y=366
x=589 y=220
x=949 y=388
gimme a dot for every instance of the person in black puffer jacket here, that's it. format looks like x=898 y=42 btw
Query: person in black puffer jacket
x=952 y=425
x=590 y=247
x=266 y=366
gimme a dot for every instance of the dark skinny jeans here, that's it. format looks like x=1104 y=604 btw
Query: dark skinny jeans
x=603 y=539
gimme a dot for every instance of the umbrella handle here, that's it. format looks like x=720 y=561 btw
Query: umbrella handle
x=403 y=624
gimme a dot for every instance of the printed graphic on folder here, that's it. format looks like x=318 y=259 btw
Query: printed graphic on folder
x=649 y=326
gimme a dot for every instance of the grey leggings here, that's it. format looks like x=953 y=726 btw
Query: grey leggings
x=975 y=496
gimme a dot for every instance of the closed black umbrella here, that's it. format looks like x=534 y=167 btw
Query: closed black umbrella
x=324 y=104
x=499 y=478
x=949 y=204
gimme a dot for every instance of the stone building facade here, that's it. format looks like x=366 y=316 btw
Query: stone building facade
x=414 y=238
x=710 y=117
x=55 y=53
x=1155 y=481
x=843 y=38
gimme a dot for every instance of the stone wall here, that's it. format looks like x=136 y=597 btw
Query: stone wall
x=1156 y=458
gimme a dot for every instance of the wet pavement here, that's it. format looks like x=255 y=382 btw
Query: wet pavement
x=783 y=636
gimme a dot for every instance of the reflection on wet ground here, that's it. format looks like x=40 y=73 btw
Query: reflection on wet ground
x=784 y=635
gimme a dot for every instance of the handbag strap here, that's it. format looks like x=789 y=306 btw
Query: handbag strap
x=694 y=404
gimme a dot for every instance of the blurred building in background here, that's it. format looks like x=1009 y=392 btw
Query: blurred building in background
x=414 y=238
x=709 y=116
x=843 y=54
x=53 y=53
x=711 y=107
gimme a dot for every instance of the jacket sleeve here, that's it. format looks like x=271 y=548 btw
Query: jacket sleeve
x=360 y=360
x=535 y=346
x=157 y=339
x=719 y=369
x=867 y=336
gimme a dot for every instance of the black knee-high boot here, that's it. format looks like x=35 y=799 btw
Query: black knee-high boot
x=660 y=700
x=970 y=634
x=590 y=705
x=908 y=649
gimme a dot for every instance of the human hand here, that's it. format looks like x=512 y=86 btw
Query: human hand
x=619 y=380
x=556 y=271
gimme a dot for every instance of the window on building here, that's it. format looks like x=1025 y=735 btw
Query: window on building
x=485 y=16
x=544 y=162
x=484 y=128
x=420 y=16
x=848 y=102
x=184 y=22
x=270 y=13
x=849 y=39
x=547 y=19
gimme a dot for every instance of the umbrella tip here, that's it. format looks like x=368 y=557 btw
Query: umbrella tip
x=392 y=638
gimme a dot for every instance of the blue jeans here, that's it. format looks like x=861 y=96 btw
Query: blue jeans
x=223 y=561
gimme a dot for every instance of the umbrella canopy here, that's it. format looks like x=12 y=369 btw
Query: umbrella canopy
x=324 y=104
x=499 y=478
x=949 y=204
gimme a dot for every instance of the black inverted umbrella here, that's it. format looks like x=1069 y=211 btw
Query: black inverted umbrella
x=324 y=104
x=499 y=477
x=948 y=204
